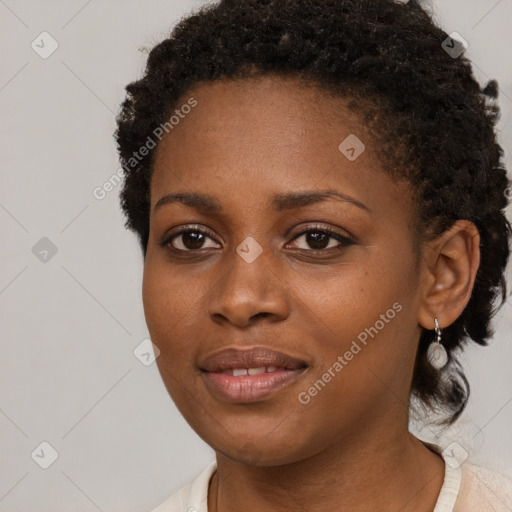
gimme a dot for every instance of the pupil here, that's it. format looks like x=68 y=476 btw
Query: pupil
x=193 y=240
x=317 y=240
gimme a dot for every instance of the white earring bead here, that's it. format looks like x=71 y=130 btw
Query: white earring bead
x=436 y=353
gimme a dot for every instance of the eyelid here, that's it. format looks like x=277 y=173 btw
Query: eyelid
x=327 y=229
x=195 y=227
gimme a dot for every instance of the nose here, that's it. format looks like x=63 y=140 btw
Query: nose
x=244 y=292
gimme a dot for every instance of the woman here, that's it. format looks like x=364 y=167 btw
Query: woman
x=319 y=196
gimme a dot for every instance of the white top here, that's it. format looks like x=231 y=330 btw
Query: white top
x=466 y=488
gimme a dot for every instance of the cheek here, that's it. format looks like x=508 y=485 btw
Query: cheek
x=172 y=305
x=171 y=308
x=361 y=320
x=352 y=297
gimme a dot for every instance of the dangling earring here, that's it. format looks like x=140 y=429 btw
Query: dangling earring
x=436 y=353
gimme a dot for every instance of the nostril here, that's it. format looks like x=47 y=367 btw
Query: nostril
x=264 y=314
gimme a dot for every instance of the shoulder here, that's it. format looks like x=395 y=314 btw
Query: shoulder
x=191 y=498
x=484 y=489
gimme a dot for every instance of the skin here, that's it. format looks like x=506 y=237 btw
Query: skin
x=349 y=447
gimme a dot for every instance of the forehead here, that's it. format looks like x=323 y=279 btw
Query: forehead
x=261 y=136
x=271 y=120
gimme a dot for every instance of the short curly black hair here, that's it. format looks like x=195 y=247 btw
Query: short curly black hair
x=434 y=122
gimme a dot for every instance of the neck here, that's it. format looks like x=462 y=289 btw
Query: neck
x=360 y=474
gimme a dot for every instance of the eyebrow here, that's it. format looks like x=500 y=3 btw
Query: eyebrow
x=209 y=204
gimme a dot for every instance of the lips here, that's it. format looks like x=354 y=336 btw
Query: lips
x=241 y=376
x=258 y=357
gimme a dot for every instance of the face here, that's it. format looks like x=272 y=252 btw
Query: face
x=270 y=260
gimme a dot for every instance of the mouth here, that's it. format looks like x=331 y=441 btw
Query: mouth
x=249 y=375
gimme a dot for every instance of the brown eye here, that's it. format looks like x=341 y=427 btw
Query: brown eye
x=190 y=239
x=316 y=239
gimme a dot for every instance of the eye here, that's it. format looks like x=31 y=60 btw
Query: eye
x=320 y=239
x=194 y=238
x=189 y=238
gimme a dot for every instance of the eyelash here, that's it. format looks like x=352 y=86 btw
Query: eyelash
x=345 y=241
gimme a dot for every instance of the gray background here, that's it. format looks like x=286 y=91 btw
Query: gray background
x=69 y=325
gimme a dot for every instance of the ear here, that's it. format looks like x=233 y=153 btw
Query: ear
x=449 y=267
